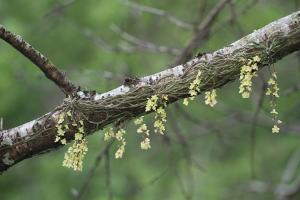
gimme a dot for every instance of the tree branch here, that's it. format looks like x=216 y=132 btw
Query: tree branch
x=270 y=43
x=48 y=68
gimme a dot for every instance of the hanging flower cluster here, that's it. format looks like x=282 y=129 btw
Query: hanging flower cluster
x=194 y=89
x=160 y=120
x=74 y=156
x=151 y=103
x=119 y=136
x=210 y=98
x=272 y=91
x=62 y=128
x=248 y=71
x=142 y=129
x=160 y=113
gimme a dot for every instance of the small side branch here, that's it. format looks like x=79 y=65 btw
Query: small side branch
x=202 y=32
x=142 y=44
x=159 y=12
x=48 y=68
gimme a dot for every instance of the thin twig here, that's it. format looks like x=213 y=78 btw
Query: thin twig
x=59 y=8
x=202 y=33
x=234 y=18
x=92 y=171
x=291 y=167
x=142 y=44
x=48 y=68
x=238 y=13
x=159 y=12
x=108 y=175
x=253 y=129
x=1 y=123
x=291 y=90
x=289 y=184
x=104 y=45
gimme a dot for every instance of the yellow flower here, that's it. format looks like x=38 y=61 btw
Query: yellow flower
x=145 y=145
x=108 y=134
x=69 y=113
x=273 y=88
x=75 y=154
x=151 y=103
x=160 y=118
x=139 y=120
x=185 y=101
x=275 y=129
x=142 y=128
x=194 y=88
x=60 y=132
x=63 y=141
x=272 y=91
x=256 y=59
x=78 y=136
x=274 y=112
x=119 y=134
x=119 y=153
x=210 y=98
x=247 y=73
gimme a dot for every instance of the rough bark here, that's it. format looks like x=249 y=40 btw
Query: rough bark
x=271 y=43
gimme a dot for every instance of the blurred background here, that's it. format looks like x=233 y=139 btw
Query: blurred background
x=227 y=152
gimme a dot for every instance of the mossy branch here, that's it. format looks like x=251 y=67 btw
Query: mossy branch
x=270 y=43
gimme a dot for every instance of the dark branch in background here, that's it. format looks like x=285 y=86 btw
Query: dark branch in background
x=159 y=12
x=92 y=171
x=103 y=44
x=253 y=128
x=289 y=186
x=1 y=123
x=229 y=21
x=292 y=90
x=49 y=69
x=234 y=19
x=142 y=44
x=59 y=8
x=271 y=43
x=108 y=175
x=202 y=33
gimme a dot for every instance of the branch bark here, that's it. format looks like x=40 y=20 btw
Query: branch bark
x=48 y=68
x=270 y=43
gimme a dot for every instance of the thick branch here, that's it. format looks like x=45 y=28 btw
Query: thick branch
x=271 y=43
x=49 y=69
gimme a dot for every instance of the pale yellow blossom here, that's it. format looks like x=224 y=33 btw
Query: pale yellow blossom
x=145 y=144
x=210 y=98
x=275 y=129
